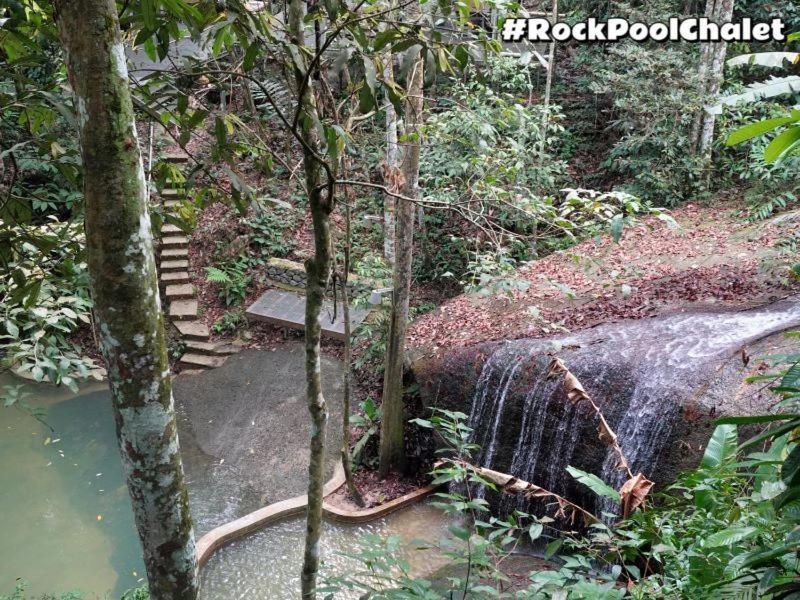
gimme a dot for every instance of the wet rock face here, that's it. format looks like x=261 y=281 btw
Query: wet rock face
x=660 y=383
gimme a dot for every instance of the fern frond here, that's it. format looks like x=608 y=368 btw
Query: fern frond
x=215 y=275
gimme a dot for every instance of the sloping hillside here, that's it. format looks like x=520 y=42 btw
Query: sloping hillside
x=713 y=258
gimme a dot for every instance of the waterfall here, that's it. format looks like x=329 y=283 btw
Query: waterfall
x=641 y=373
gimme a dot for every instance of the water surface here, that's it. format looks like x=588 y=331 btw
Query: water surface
x=65 y=520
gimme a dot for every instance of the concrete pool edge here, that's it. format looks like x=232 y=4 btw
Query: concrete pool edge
x=365 y=515
x=272 y=513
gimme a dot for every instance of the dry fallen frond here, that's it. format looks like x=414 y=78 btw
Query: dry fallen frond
x=511 y=485
x=576 y=393
x=634 y=493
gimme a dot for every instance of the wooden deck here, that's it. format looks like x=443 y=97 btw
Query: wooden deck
x=288 y=309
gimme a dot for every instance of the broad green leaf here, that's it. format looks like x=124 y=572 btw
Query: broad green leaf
x=721 y=447
x=594 y=483
x=753 y=130
x=754 y=419
x=782 y=145
x=729 y=536
x=12 y=329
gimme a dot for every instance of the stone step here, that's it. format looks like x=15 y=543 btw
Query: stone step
x=175 y=253
x=171 y=193
x=176 y=157
x=175 y=277
x=170 y=229
x=180 y=291
x=193 y=330
x=173 y=266
x=172 y=203
x=194 y=361
x=211 y=348
x=175 y=241
x=183 y=310
x=192 y=371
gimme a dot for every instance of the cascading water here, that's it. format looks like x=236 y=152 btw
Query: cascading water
x=643 y=374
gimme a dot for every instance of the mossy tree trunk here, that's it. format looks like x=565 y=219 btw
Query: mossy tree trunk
x=125 y=290
x=318 y=270
x=392 y=451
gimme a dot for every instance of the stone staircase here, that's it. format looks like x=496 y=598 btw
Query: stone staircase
x=179 y=293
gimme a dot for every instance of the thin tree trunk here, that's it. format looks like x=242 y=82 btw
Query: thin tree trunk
x=702 y=79
x=548 y=86
x=347 y=460
x=716 y=70
x=318 y=274
x=392 y=163
x=392 y=451
x=711 y=70
x=119 y=248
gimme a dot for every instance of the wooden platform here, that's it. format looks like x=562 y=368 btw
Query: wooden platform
x=288 y=309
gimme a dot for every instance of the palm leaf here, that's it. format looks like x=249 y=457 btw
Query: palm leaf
x=765 y=59
x=776 y=86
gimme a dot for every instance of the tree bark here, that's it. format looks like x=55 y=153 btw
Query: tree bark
x=392 y=451
x=711 y=70
x=392 y=162
x=347 y=459
x=548 y=86
x=702 y=79
x=318 y=274
x=119 y=247
x=723 y=14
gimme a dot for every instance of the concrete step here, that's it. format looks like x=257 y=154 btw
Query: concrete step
x=171 y=193
x=211 y=348
x=173 y=266
x=176 y=157
x=193 y=361
x=180 y=291
x=174 y=254
x=170 y=229
x=174 y=278
x=183 y=310
x=193 y=330
x=175 y=241
x=198 y=347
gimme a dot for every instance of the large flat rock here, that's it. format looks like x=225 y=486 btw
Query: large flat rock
x=288 y=309
x=245 y=429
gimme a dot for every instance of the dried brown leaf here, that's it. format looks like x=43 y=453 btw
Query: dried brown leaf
x=634 y=493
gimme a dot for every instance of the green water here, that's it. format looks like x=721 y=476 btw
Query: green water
x=65 y=516
x=66 y=522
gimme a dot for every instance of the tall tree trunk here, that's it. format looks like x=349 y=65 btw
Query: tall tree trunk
x=347 y=459
x=392 y=452
x=392 y=162
x=125 y=290
x=723 y=14
x=706 y=49
x=318 y=274
x=711 y=70
x=548 y=86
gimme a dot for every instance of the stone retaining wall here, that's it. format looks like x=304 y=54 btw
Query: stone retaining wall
x=293 y=274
